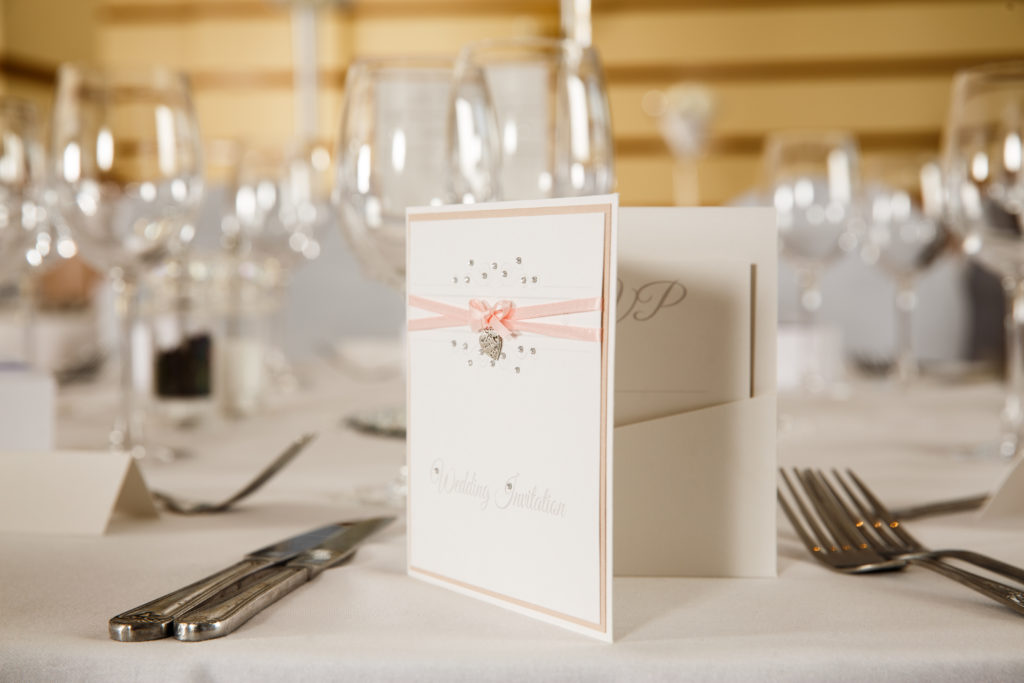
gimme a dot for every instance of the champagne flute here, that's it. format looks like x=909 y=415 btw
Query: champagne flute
x=982 y=153
x=906 y=234
x=550 y=130
x=812 y=178
x=128 y=174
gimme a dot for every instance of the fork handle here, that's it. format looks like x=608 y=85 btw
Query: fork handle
x=1000 y=592
x=979 y=560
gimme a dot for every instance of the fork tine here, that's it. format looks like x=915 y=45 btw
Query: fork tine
x=853 y=522
x=883 y=514
x=820 y=541
x=826 y=511
x=817 y=545
x=881 y=537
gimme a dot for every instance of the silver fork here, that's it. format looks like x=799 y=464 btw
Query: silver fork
x=850 y=547
x=181 y=507
x=893 y=532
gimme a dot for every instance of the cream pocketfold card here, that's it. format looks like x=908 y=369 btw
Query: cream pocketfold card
x=511 y=310
x=695 y=392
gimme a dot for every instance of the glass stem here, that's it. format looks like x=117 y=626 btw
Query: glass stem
x=127 y=432
x=28 y=301
x=809 y=280
x=906 y=302
x=1011 y=417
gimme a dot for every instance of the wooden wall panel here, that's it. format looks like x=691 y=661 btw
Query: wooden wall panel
x=880 y=68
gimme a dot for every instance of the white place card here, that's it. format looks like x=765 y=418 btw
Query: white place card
x=69 y=492
x=510 y=405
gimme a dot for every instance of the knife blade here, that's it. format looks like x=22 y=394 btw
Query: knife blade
x=155 y=619
x=224 y=614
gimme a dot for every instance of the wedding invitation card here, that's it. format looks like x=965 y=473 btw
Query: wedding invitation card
x=511 y=326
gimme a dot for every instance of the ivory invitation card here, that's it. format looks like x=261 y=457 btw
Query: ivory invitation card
x=511 y=325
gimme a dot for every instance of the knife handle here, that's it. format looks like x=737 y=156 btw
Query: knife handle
x=218 y=618
x=154 y=619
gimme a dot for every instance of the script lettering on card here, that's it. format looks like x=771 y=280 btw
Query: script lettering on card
x=644 y=302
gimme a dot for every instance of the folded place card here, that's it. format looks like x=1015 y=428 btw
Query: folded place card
x=511 y=362
x=69 y=492
x=510 y=404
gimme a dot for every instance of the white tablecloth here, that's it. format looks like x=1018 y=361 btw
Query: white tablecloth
x=368 y=621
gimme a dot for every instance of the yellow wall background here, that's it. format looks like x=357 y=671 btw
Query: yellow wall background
x=881 y=69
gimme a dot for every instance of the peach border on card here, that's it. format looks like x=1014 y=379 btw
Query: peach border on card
x=606 y=209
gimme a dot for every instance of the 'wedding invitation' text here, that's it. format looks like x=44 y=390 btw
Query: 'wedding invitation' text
x=512 y=494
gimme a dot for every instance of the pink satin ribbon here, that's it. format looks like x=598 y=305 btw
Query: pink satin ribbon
x=506 y=318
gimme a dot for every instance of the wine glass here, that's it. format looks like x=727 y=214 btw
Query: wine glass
x=812 y=177
x=393 y=153
x=906 y=234
x=23 y=244
x=128 y=175
x=982 y=152
x=550 y=131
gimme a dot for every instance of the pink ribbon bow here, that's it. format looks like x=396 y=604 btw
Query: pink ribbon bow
x=506 y=318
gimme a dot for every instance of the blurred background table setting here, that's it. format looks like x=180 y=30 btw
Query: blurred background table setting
x=202 y=293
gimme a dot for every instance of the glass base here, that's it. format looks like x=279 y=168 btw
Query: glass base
x=386 y=422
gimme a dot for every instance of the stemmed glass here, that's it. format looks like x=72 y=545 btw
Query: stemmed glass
x=127 y=171
x=906 y=234
x=812 y=177
x=982 y=158
x=393 y=153
x=550 y=130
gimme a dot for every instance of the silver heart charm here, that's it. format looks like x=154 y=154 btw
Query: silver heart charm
x=490 y=343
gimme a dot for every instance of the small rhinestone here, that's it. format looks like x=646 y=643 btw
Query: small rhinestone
x=523 y=279
x=519 y=260
x=533 y=279
x=504 y=273
x=466 y=279
x=508 y=486
x=492 y=363
x=483 y=275
x=455 y=279
x=517 y=369
x=469 y=362
x=437 y=470
x=465 y=346
x=502 y=355
x=494 y=266
x=470 y=262
x=520 y=349
x=454 y=343
x=533 y=350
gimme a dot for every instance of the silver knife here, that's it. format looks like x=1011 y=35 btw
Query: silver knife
x=155 y=618
x=223 y=614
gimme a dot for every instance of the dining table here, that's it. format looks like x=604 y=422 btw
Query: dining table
x=368 y=621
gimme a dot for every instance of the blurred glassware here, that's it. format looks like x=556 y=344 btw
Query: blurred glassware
x=684 y=114
x=982 y=155
x=32 y=238
x=906 y=234
x=813 y=179
x=128 y=175
x=281 y=203
x=392 y=154
x=550 y=133
x=21 y=169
